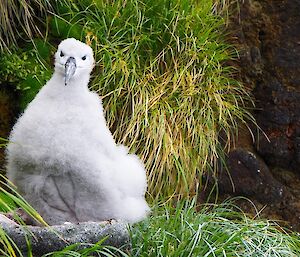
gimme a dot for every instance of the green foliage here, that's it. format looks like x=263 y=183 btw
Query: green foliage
x=214 y=231
x=6 y=203
x=19 y=20
x=161 y=69
x=183 y=230
x=168 y=94
x=98 y=249
x=3 y=142
x=26 y=70
x=166 y=89
x=63 y=29
x=10 y=200
x=14 y=67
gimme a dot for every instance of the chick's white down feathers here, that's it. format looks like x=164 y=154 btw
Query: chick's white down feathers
x=62 y=156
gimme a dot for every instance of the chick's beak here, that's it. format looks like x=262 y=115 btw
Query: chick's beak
x=70 y=68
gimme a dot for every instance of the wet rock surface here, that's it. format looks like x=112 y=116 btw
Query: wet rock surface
x=267 y=35
x=54 y=238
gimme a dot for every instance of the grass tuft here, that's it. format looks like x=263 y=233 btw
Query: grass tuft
x=168 y=94
x=214 y=231
x=20 y=20
x=162 y=72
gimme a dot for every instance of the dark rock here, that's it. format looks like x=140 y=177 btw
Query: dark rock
x=249 y=176
x=268 y=37
x=276 y=144
x=54 y=238
x=274 y=72
x=268 y=193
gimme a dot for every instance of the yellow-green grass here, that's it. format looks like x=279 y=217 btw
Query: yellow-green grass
x=167 y=91
x=161 y=68
x=19 y=19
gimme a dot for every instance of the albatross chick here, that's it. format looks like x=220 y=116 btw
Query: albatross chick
x=62 y=156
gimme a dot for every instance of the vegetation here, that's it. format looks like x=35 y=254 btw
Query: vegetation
x=166 y=91
x=26 y=71
x=99 y=249
x=10 y=200
x=161 y=71
x=185 y=230
x=20 y=19
x=168 y=94
x=220 y=230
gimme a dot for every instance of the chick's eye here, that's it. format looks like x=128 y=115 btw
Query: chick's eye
x=62 y=54
x=84 y=57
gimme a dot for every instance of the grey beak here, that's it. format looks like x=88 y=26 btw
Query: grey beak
x=70 y=68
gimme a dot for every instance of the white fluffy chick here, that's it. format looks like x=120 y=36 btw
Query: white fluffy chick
x=62 y=156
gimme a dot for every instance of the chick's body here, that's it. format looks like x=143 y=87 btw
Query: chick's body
x=63 y=158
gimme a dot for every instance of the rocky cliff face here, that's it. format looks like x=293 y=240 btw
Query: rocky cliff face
x=270 y=39
x=267 y=34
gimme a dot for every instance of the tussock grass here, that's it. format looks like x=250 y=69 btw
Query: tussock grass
x=10 y=200
x=168 y=94
x=19 y=19
x=161 y=69
x=3 y=142
x=214 y=231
